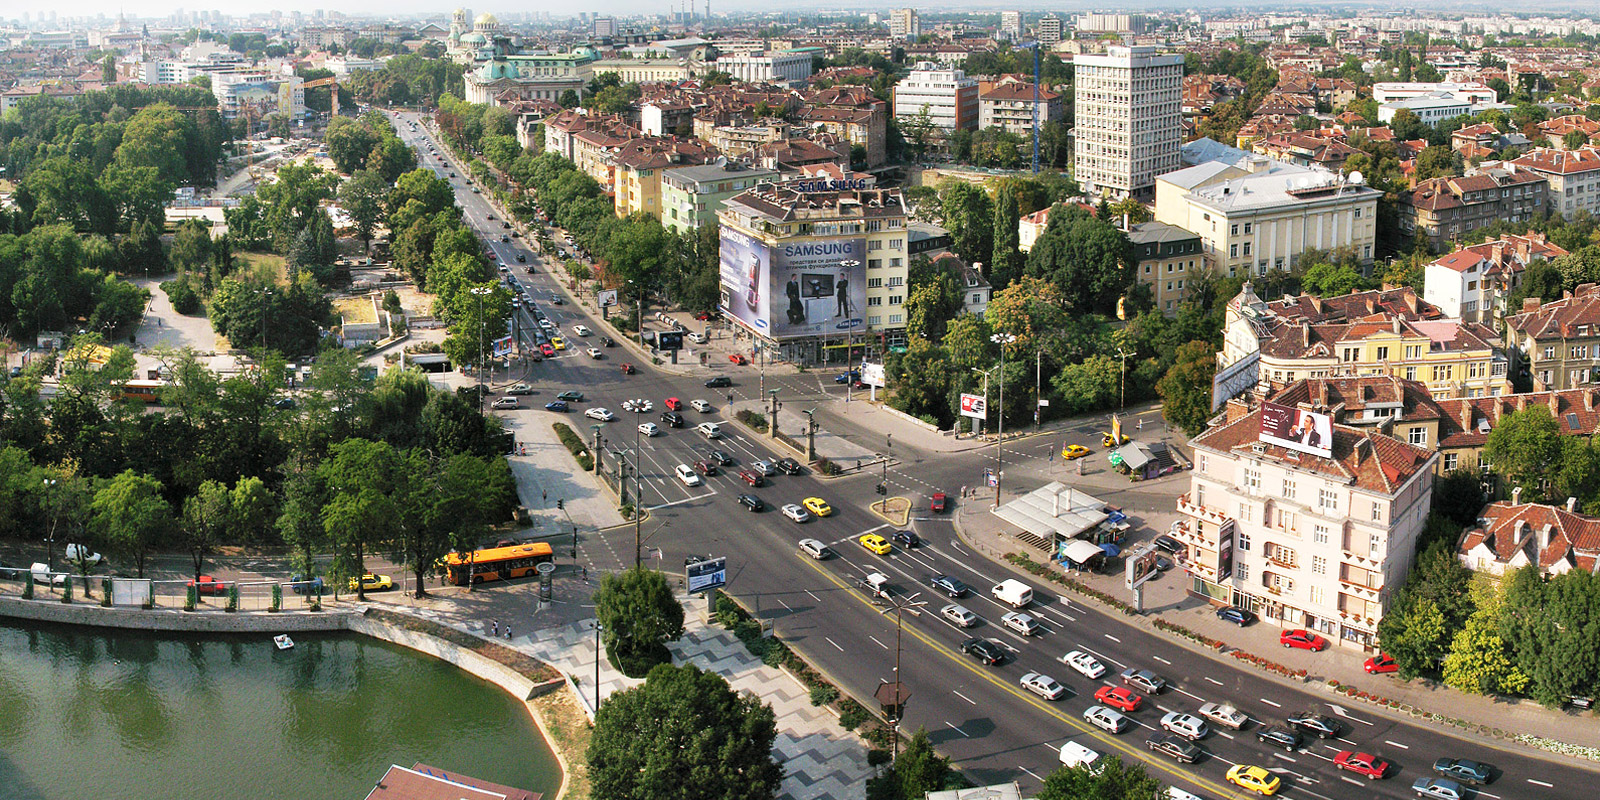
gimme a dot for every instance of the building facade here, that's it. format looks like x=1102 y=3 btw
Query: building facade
x=903 y=24
x=1011 y=25
x=262 y=92
x=1129 y=119
x=1167 y=259
x=1558 y=343
x=530 y=77
x=950 y=97
x=1010 y=106
x=1049 y=30
x=1442 y=210
x=1554 y=540
x=1303 y=539
x=1573 y=175
x=786 y=67
x=1474 y=282
x=691 y=197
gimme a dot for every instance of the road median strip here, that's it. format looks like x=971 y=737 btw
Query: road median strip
x=896 y=510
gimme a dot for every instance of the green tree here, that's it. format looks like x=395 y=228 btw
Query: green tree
x=1432 y=604
x=1574 y=140
x=206 y=517
x=349 y=143
x=1113 y=780
x=1525 y=448
x=919 y=770
x=1329 y=280
x=920 y=378
x=1458 y=494
x=1438 y=161
x=363 y=479
x=639 y=615
x=684 y=734
x=1031 y=309
x=363 y=197
x=1090 y=261
x=191 y=246
x=1005 y=265
x=1548 y=623
x=1186 y=388
x=931 y=305
x=1479 y=661
x=969 y=215
x=131 y=516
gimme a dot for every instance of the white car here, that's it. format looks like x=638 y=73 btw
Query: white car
x=594 y=352
x=1188 y=726
x=697 y=337
x=81 y=552
x=1105 y=719
x=581 y=330
x=1224 y=715
x=709 y=430
x=959 y=615
x=1088 y=666
x=814 y=548
x=796 y=513
x=700 y=406
x=766 y=468
x=649 y=429
x=506 y=402
x=602 y=414
x=687 y=474
x=1043 y=685
x=1022 y=623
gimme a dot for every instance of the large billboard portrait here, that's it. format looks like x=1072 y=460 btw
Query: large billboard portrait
x=1297 y=429
x=820 y=287
x=745 y=276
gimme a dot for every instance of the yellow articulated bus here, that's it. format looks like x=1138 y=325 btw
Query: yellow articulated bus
x=496 y=563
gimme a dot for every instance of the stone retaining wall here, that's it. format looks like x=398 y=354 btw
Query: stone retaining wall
x=92 y=613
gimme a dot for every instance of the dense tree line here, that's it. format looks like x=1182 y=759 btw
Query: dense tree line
x=408 y=80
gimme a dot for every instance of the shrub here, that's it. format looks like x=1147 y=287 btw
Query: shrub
x=827 y=467
x=191 y=598
x=27 y=586
x=752 y=420
x=574 y=445
x=233 y=597
x=277 y=597
x=66 y=590
x=182 y=296
x=105 y=592
x=877 y=757
x=851 y=714
x=823 y=694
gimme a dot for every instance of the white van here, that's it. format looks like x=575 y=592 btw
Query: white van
x=1013 y=593
x=1076 y=755
x=42 y=574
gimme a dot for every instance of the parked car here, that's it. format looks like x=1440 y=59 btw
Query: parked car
x=960 y=615
x=1236 y=615
x=984 y=651
x=1380 y=664
x=1042 y=685
x=507 y=402
x=372 y=582
x=1303 y=639
x=300 y=584
x=951 y=586
x=1170 y=545
x=208 y=585
x=738 y=358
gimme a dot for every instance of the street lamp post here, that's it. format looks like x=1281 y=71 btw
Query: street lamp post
x=772 y=424
x=811 y=435
x=1001 y=339
x=50 y=485
x=596 y=428
x=638 y=495
x=597 y=628
x=481 y=292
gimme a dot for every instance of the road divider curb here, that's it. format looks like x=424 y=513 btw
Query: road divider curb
x=895 y=510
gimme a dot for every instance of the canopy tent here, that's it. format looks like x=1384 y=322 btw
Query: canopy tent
x=1080 y=552
x=1055 y=512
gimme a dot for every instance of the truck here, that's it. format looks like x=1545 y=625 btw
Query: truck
x=1013 y=593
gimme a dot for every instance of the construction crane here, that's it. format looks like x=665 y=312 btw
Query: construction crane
x=320 y=82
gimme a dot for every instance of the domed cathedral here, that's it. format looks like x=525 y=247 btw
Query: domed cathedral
x=462 y=45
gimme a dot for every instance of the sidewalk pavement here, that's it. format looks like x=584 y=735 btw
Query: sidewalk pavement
x=545 y=472
x=1165 y=598
x=821 y=760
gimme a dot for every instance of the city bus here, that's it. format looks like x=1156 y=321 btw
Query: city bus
x=144 y=391
x=496 y=563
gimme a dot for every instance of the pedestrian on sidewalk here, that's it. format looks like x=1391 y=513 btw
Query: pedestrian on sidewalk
x=508 y=631
x=496 y=628
x=585 y=574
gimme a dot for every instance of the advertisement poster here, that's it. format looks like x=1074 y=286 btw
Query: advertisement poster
x=974 y=405
x=1305 y=431
x=1225 y=549
x=745 y=276
x=820 y=287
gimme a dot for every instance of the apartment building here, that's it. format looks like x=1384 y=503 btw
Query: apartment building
x=1573 y=175
x=786 y=67
x=1049 y=29
x=1470 y=93
x=1444 y=209
x=1011 y=25
x=903 y=24
x=1558 y=343
x=520 y=76
x=1167 y=259
x=1317 y=537
x=1129 y=119
x=950 y=97
x=1473 y=283
x=1010 y=105
x=638 y=168
x=1258 y=214
x=691 y=197
x=266 y=92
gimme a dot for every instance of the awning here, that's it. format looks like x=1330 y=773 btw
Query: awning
x=1134 y=454
x=1079 y=551
x=1054 y=512
x=1111 y=550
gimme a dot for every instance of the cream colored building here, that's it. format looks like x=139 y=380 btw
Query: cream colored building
x=1258 y=214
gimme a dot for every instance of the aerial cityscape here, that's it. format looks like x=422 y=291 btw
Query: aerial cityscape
x=415 y=403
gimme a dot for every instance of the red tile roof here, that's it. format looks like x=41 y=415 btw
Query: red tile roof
x=1362 y=458
x=1549 y=537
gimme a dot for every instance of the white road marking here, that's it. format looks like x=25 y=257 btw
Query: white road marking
x=878 y=643
x=813 y=595
x=957 y=729
x=1162 y=660
x=685 y=500
x=834 y=643
x=1270 y=703
x=781 y=603
x=1112 y=638
x=1397 y=744
x=1541 y=783
x=1285 y=758
x=1210 y=679
x=962 y=696
x=1224 y=734
x=1030 y=772
x=1350 y=780
x=1189 y=695
x=1340 y=710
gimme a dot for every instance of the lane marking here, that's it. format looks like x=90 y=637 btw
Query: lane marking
x=1350 y=780
x=1112 y=638
x=785 y=605
x=878 y=643
x=834 y=643
x=1541 y=783
x=813 y=595
x=962 y=696
x=1270 y=703
x=1224 y=734
x=1162 y=660
x=1102 y=657
x=1285 y=758
x=1030 y=772
x=957 y=729
x=1210 y=679
x=1397 y=744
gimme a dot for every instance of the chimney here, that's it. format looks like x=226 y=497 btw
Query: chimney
x=1237 y=410
x=1498 y=252
x=1522 y=402
x=1397 y=325
x=1498 y=408
x=1588 y=400
x=1530 y=304
x=1555 y=405
x=1516 y=496
x=1466 y=415
x=1572 y=503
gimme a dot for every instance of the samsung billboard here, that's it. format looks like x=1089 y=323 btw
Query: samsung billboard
x=804 y=288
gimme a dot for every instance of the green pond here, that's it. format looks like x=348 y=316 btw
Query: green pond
x=96 y=713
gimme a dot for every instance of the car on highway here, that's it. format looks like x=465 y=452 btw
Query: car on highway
x=1105 y=719
x=814 y=548
x=556 y=405
x=571 y=395
x=790 y=466
x=738 y=358
x=1254 y=778
x=1438 y=789
x=547 y=350
x=687 y=475
x=373 y=583
x=1380 y=664
x=673 y=404
x=1303 y=639
x=602 y=414
x=1022 y=623
x=719 y=382
x=907 y=539
x=710 y=430
x=581 y=330
x=1236 y=615
x=607 y=341
x=1075 y=451
x=706 y=467
x=752 y=502
x=1118 y=697
x=1144 y=680
x=208 y=585
x=1087 y=665
x=765 y=467
x=951 y=586
x=939 y=503
x=984 y=650
x=796 y=513
x=876 y=544
x=1043 y=685
x=1175 y=747
x=522 y=258
x=959 y=615
x=1461 y=770
x=648 y=429
x=720 y=457
x=672 y=419
x=1225 y=715
x=1279 y=736
x=627 y=369
x=1311 y=723
x=752 y=477
x=700 y=406
x=594 y=353
x=507 y=402
x=520 y=388
x=1365 y=764
x=819 y=506
x=1188 y=726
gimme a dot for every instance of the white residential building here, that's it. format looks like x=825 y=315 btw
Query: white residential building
x=1304 y=540
x=1011 y=25
x=789 y=66
x=1470 y=93
x=1049 y=31
x=1573 y=175
x=903 y=23
x=1129 y=113
x=949 y=95
x=1431 y=109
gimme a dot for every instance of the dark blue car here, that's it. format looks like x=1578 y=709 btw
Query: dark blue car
x=301 y=585
x=556 y=405
x=1236 y=615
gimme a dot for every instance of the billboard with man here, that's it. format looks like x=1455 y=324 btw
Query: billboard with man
x=1297 y=429
x=804 y=288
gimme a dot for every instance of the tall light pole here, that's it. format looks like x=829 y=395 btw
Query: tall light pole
x=597 y=629
x=638 y=495
x=1001 y=339
x=50 y=485
x=481 y=292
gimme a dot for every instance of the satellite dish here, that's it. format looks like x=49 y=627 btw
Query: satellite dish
x=1356 y=178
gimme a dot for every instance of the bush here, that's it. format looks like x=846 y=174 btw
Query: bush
x=827 y=467
x=66 y=590
x=27 y=586
x=105 y=592
x=574 y=445
x=277 y=597
x=823 y=694
x=233 y=597
x=752 y=420
x=851 y=714
x=191 y=598
x=182 y=296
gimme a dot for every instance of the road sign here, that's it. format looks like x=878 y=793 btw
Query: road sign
x=990 y=478
x=502 y=347
x=669 y=340
x=702 y=576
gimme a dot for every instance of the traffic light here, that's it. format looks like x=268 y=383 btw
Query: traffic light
x=559 y=504
x=883 y=489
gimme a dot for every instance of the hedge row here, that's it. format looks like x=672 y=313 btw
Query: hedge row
x=575 y=445
x=752 y=420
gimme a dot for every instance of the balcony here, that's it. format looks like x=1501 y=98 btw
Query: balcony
x=1200 y=512
x=1280 y=561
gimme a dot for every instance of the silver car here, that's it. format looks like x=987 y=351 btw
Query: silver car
x=1043 y=685
x=959 y=615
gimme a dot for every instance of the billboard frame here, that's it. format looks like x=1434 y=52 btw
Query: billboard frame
x=1298 y=429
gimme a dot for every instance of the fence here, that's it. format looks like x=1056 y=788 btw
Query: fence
x=171 y=594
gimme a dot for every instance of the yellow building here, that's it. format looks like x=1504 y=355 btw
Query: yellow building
x=1452 y=358
x=637 y=168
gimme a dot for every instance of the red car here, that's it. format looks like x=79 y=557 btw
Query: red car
x=703 y=316
x=1361 y=763
x=940 y=502
x=548 y=350
x=1380 y=664
x=1120 y=697
x=209 y=585
x=738 y=358
x=674 y=404
x=1303 y=639
x=752 y=477
x=627 y=369
x=706 y=468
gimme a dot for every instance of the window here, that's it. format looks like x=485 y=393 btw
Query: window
x=874 y=244
x=1242 y=541
x=1319 y=565
x=895 y=262
x=1247 y=512
x=897 y=244
x=1202 y=462
x=874 y=263
x=1317 y=597
x=1328 y=501
x=1417 y=436
x=896 y=299
x=1375 y=545
x=874 y=301
x=896 y=319
x=1241 y=571
x=1233 y=251
x=1550 y=351
x=1383 y=354
x=874 y=283
x=1247 y=227
x=1443 y=372
x=1413 y=351
x=1247 y=248
x=1252 y=481
x=1288 y=489
x=1377 y=511
x=1411 y=373
x=897 y=280
x=1320 y=534
x=1449 y=461
x=1233 y=230
x=1358 y=213
x=1285 y=519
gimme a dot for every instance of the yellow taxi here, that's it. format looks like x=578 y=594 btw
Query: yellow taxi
x=558 y=343
x=1254 y=778
x=817 y=505
x=1107 y=440
x=373 y=583
x=1072 y=451
x=876 y=544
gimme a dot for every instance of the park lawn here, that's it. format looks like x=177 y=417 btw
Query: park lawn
x=255 y=262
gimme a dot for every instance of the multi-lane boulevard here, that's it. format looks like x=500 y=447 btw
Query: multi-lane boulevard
x=977 y=714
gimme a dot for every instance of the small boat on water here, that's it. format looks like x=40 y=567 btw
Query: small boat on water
x=283 y=641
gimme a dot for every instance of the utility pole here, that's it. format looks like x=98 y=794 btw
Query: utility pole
x=1122 y=375
x=1001 y=339
x=772 y=424
x=811 y=435
x=638 y=496
x=1038 y=364
x=481 y=292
